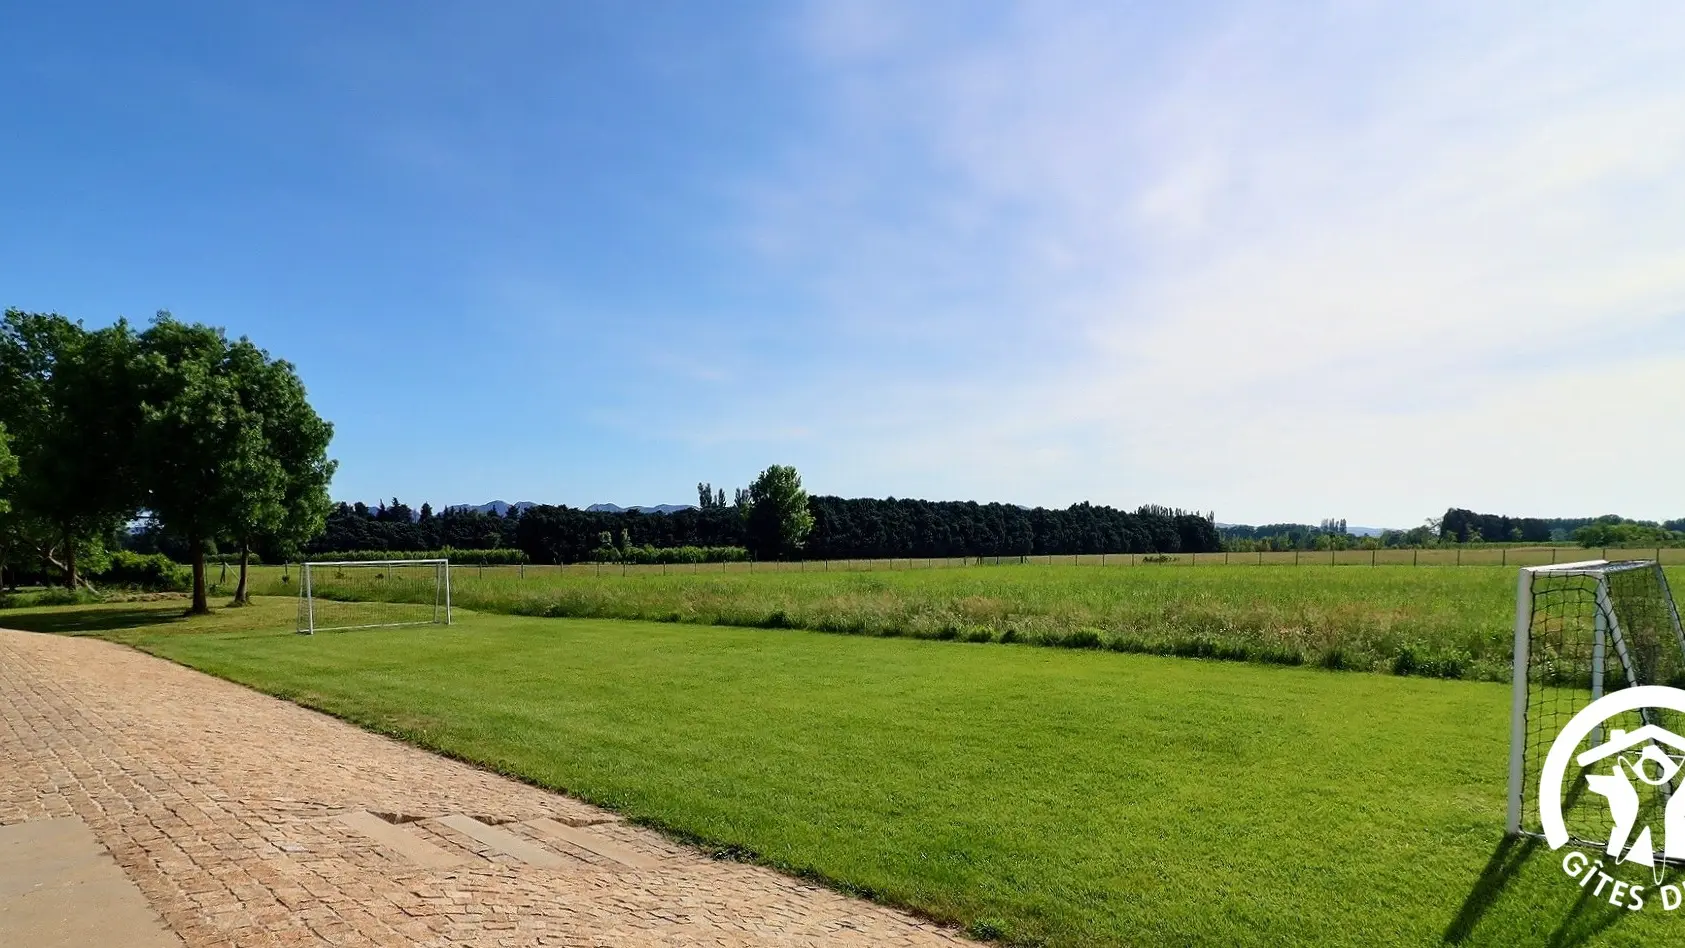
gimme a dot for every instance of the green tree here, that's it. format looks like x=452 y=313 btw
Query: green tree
x=70 y=398
x=776 y=515
x=203 y=446
x=283 y=499
x=8 y=466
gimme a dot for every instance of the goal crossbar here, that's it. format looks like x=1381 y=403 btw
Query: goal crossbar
x=1590 y=567
x=377 y=562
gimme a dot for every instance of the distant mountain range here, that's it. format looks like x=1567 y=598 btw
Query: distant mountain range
x=655 y=508
x=501 y=507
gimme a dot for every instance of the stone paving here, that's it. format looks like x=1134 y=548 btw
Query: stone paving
x=237 y=816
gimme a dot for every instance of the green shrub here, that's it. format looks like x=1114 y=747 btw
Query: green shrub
x=151 y=571
x=1404 y=663
x=656 y=555
x=59 y=596
x=1082 y=638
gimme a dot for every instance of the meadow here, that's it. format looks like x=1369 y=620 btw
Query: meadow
x=1422 y=621
x=1035 y=796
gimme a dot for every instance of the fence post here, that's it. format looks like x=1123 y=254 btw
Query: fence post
x=523 y=571
x=1459 y=556
x=482 y=573
x=1503 y=556
x=1260 y=557
x=1413 y=555
x=1553 y=556
x=1371 y=557
x=1295 y=556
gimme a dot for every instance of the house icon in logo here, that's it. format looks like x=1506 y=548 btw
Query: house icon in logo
x=1634 y=755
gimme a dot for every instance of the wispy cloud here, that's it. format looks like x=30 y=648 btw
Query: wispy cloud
x=1343 y=260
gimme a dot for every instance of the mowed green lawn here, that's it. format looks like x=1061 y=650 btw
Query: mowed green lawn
x=1065 y=797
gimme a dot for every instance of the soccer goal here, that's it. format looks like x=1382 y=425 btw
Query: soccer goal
x=1583 y=630
x=370 y=595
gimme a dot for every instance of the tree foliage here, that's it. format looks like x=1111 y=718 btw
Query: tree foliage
x=1466 y=526
x=1614 y=531
x=8 y=466
x=213 y=440
x=232 y=449
x=68 y=395
x=285 y=500
x=776 y=516
x=843 y=528
x=201 y=446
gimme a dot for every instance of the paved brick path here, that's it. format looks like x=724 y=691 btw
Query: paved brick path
x=238 y=816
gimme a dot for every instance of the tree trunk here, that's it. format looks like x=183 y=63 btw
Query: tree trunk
x=200 y=605
x=240 y=595
x=51 y=562
x=69 y=559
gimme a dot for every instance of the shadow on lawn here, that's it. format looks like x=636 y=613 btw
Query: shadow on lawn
x=1512 y=853
x=1588 y=916
x=88 y=621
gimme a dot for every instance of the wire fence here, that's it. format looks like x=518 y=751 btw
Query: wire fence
x=1480 y=555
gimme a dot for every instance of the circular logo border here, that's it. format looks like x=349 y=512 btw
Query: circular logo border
x=1582 y=724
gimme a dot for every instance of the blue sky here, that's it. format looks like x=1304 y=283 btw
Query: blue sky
x=1281 y=262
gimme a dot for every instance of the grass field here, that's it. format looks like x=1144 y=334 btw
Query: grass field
x=1432 y=622
x=1046 y=796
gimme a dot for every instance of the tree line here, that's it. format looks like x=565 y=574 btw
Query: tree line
x=397 y=526
x=1466 y=526
x=209 y=439
x=1458 y=526
x=775 y=519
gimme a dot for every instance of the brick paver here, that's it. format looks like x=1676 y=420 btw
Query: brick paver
x=224 y=806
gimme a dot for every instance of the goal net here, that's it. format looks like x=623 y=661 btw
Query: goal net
x=358 y=595
x=1583 y=630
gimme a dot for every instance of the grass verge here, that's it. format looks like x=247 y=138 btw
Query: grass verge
x=1434 y=622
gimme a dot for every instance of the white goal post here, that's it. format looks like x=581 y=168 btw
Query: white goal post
x=372 y=594
x=1582 y=630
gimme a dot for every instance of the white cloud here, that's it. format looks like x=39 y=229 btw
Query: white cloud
x=1352 y=261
